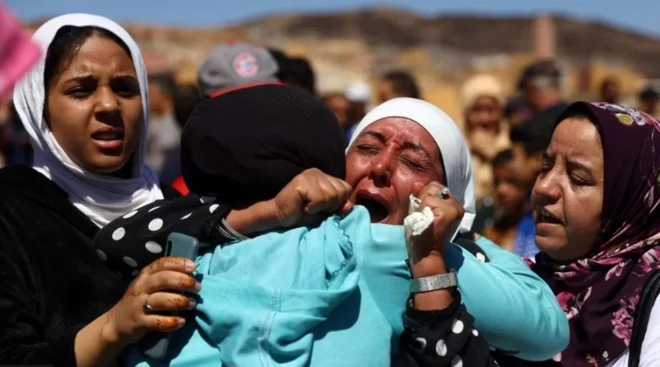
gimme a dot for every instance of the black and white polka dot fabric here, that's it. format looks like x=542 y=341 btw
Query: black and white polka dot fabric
x=136 y=239
x=444 y=338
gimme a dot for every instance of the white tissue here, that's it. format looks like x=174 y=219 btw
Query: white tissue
x=417 y=222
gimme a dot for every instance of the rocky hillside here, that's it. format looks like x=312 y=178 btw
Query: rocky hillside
x=466 y=34
x=441 y=51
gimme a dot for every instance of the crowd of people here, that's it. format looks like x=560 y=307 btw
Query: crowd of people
x=360 y=228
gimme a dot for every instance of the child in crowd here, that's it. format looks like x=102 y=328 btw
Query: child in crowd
x=513 y=227
x=528 y=142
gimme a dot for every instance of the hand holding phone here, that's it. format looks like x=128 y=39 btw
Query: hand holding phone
x=155 y=345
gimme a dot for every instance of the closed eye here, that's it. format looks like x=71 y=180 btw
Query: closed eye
x=368 y=149
x=413 y=165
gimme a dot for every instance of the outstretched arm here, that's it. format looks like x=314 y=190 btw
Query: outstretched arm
x=513 y=307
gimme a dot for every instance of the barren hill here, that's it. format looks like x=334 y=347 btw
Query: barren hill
x=440 y=50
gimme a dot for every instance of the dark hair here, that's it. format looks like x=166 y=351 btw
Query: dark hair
x=648 y=94
x=186 y=99
x=282 y=61
x=608 y=82
x=535 y=137
x=300 y=73
x=502 y=158
x=513 y=105
x=67 y=43
x=403 y=83
x=542 y=69
x=165 y=82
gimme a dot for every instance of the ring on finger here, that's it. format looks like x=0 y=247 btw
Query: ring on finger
x=147 y=307
x=444 y=193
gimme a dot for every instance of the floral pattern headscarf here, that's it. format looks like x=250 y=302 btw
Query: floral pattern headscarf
x=599 y=294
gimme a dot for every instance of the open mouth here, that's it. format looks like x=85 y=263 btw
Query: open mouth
x=544 y=216
x=378 y=211
x=109 y=135
x=109 y=139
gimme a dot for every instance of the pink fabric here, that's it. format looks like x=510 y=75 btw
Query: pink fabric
x=17 y=52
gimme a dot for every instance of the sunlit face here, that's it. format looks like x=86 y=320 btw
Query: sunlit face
x=567 y=199
x=384 y=162
x=94 y=107
x=485 y=113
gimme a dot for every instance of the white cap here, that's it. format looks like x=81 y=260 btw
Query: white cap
x=358 y=92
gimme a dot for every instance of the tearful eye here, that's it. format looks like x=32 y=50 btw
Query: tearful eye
x=370 y=149
x=414 y=165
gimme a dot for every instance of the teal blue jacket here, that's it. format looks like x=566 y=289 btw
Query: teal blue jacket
x=335 y=294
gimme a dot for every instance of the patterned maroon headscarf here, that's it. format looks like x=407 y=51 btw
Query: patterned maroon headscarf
x=599 y=294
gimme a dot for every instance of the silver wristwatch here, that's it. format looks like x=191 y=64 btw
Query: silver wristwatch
x=433 y=283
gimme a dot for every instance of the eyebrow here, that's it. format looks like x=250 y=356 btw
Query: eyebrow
x=125 y=78
x=575 y=165
x=88 y=77
x=82 y=78
x=416 y=147
x=406 y=145
x=376 y=135
x=570 y=164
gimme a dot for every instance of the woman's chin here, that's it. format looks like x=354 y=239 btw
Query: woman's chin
x=552 y=246
x=106 y=165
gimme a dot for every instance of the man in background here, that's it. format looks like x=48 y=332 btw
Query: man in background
x=294 y=71
x=396 y=84
x=164 y=132
x=541 y=87
x=301 y=75
x=648 y=101
x=610 y=91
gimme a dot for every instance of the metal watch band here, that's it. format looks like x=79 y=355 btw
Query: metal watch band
x=432 y=283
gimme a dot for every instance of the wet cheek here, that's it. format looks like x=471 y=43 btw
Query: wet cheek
x=356 y=170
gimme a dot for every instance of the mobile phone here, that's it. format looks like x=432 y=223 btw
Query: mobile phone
x=154 y=345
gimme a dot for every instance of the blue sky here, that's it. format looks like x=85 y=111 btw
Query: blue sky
x=640 y=15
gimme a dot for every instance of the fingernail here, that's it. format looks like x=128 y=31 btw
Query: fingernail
x=192 y=303
x=198 y=286
x=180 y=322
x=190 y=266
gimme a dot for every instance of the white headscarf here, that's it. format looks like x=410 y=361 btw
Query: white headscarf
x=101 y=198
x=455 y=153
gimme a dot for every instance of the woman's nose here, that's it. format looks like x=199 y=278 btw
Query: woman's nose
x=547 y=187
x=106 y=101
x=381 y=170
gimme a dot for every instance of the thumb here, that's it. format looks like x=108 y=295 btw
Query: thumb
x=346 y=207
x=417 y=188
